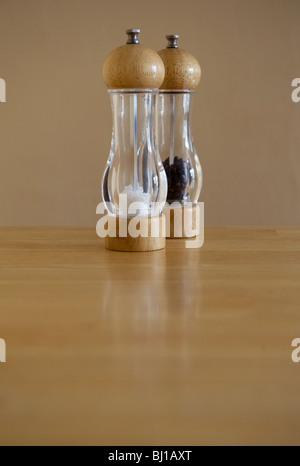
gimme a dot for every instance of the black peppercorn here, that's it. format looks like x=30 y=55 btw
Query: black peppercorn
x=178 y=176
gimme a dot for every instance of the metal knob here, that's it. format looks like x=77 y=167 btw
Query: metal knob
x=172 y=41
x=133 y=36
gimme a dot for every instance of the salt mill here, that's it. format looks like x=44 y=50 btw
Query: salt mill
x=175 y=140
x=133 y=74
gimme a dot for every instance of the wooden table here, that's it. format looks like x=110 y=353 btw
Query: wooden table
x=175 y=347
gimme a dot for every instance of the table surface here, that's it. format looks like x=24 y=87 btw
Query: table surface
x=175 y=347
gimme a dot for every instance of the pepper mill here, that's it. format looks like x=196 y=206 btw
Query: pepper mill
x=175 y=140
x=134 y=187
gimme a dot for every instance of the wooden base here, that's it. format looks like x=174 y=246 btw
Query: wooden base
x=151 y=235
x=181 y=221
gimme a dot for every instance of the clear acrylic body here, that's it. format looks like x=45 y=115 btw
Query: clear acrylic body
x=134 y=166
x=176 y=146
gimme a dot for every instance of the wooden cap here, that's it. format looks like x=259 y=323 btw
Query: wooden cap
x=133 y=66
x=182 y=69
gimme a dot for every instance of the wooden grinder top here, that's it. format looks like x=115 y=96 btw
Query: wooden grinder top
x=133 y=66
x=182 y=69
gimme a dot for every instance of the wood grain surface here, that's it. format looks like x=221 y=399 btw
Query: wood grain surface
x=142 y=243
x=182 y=70
x=133 y=67
x=174 y=347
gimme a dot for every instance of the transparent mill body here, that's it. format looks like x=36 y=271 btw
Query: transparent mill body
x=134 y=167
x=176 y=146
x=134 y=181
x=175 y=139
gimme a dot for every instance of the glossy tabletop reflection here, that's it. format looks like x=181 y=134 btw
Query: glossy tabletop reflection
x=174 y=347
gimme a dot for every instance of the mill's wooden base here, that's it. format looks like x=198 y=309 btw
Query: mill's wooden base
x=181 y=221
x=152 y=235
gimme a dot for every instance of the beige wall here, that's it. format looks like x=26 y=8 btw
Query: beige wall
x=55 y=127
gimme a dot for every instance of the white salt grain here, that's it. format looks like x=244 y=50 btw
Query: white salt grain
x=137 y=196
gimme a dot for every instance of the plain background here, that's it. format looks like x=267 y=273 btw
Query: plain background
x=55 y=128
